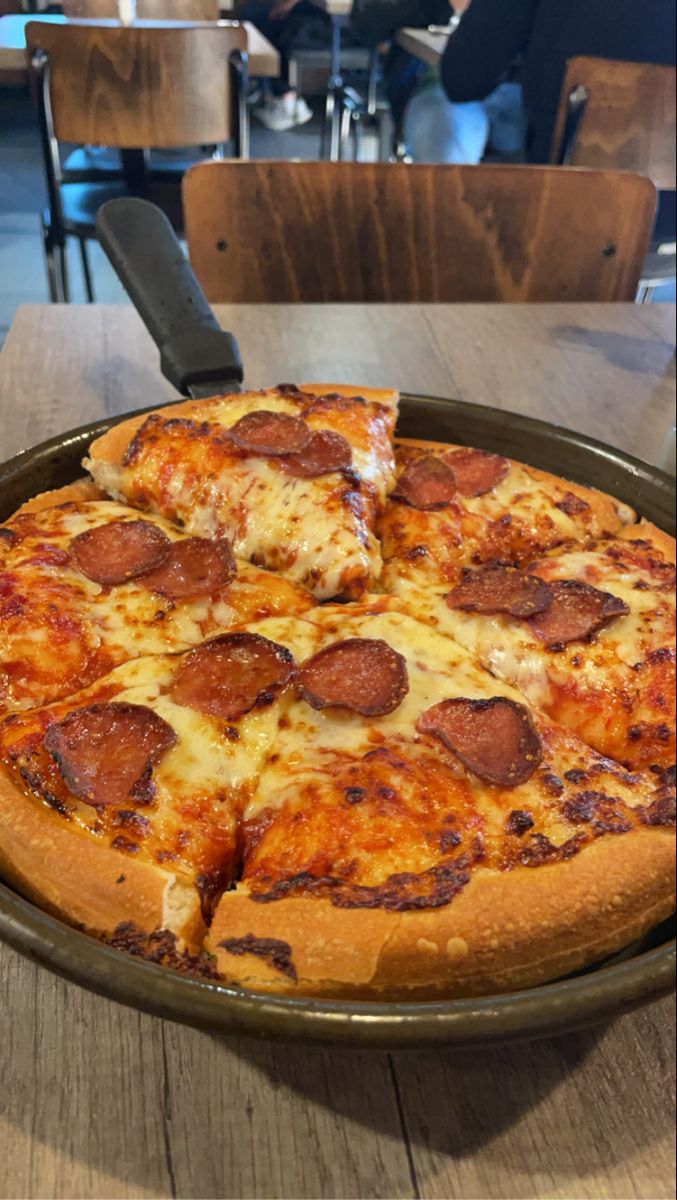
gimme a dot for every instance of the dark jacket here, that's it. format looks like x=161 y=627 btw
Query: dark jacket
x=548 y=32
x=376 y=21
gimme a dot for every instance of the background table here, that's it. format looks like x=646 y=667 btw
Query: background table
x=101 y=1101
x=423 y=44
x=263 y=57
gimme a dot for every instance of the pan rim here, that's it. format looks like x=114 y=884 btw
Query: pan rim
x=549 y=1008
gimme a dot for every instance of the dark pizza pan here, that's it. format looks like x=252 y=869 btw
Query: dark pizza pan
x=641 y=973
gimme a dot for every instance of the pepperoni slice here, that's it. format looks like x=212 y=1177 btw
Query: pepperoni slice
x=195 y=567
x=107 y=752
x=498 y=589
x=495 y=739
x=270 y=433
x=426 y=483
x=325 y=452
x=476 y=471
x=578 y=611
x=231 y=674
x=120 y=551
x=363 y=674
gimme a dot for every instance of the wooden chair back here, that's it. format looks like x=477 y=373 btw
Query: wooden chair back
x=617 y=114
x=138 y=86
x=363 y=232
x=147 y=10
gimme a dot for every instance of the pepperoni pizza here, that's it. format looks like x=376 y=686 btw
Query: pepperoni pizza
x=297 y=710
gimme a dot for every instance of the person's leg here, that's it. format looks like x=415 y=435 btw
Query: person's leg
x=507 y=121
x=437 y=131
x=258 y=13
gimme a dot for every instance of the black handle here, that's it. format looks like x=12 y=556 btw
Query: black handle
x=147 y=256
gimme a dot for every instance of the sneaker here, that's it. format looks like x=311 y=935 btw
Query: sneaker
x=302 y=112
x=277 y=113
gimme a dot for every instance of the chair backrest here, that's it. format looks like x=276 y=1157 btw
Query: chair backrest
x=617 y=114
x=138 y=86
x=319 y=231
x=147 y=10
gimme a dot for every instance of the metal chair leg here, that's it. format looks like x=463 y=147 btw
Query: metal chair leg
x=52 y=278
x=345 y=127
x=358 y=134
x=327 y=125
x=86 y=271
x=53 y=282
x=62 y=262
x=644 y=294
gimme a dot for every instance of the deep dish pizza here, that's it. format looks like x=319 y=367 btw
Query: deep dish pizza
x=289 y=706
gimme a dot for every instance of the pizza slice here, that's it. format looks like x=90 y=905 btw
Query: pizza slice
x=419 y=830
x=586 y=633
x=119 y=807
x=293 y=479
x=87 y=584
x=455 y=507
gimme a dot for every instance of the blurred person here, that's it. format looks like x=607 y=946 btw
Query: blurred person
x=432 y=129
x=291 y=26
x=545 y=34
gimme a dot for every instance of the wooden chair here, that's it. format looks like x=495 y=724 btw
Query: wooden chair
x=147 y=10
x=130 y=88
x=308 y=231
x=617 y=114
x=621 y=114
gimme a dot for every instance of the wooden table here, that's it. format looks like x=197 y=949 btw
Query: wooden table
x=423 y=44
x=101 y=1101
x=264 y=59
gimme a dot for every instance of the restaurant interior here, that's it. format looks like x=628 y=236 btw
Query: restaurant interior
x=464 y=208
x=325 y=81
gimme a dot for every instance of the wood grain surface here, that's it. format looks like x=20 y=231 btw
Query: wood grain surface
x=629 y=118
x=306 y=231
x=151 y=10
x=264 y=59
x=101 y=1101
x=136 y=86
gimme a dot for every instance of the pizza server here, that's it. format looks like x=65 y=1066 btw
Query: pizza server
x=197 y=357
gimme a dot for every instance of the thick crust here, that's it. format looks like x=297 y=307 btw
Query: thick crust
x=111 y=447
x=84 y=881
x=651 y=533
x=73 y=493
x=504 y=931
x=609 y=511
x=386 y=396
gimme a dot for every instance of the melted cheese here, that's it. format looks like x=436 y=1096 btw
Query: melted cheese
x=523 y=516
x=598 y=689
x=318 y=531
x=200 y=784
x=69 y=629
x=299 y=820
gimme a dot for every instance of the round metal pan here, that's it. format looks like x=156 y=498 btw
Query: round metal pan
x=641 y=973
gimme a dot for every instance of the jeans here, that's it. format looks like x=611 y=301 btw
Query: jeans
x=438 y=131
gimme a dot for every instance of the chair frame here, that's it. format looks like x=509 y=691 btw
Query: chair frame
x=135 y=171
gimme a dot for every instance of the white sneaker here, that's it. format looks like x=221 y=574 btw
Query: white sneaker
x=278 y=113
x=302 y=112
